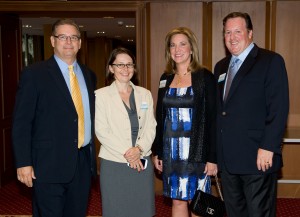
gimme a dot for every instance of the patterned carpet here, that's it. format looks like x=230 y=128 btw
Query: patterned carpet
x=15 y=202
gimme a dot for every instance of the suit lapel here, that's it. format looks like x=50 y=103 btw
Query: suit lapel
x=243 y=70
x=59 y=80
x=116 y=99
x=224 y=69
x=138 y=99
x=89 y=86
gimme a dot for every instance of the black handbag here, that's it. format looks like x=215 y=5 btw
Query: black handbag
x=207 y=205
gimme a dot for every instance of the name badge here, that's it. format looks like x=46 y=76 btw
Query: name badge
x=222 y=77
x=162 y=83
x=144 y=105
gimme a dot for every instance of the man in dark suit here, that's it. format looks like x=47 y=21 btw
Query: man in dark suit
x=252 y=114
x=52 y=138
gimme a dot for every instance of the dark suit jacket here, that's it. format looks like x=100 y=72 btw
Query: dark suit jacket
x=255 y=113
x=203 y=143
x=45 y=122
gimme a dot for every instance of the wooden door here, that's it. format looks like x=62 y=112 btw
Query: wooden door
x=10 y=66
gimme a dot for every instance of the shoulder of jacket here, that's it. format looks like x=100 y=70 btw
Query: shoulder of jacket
x=143 y=91
x=166 y=76
x=269 y=53
x=37 y=65
x=223 y=60
x=203 y=72
x=85 y=68
x=37 y=69
x=140 y=88
x=102 y=90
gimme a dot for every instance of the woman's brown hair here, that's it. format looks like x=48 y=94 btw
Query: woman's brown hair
x=113 y=55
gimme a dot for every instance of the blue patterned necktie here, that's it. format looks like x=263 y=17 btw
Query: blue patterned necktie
x=233 y=68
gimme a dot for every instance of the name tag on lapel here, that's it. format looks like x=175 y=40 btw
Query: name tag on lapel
x=162 y=83
x=144 y=105
x=221 y=77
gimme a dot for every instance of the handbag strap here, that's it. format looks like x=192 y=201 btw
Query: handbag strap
x=218 y=186
x=205 y=179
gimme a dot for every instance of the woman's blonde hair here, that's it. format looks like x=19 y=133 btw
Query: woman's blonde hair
x=195 y=63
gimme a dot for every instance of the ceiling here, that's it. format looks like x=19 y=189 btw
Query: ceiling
x=94 y=27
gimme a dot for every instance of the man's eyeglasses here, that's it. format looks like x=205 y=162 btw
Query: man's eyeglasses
x=65 y=37
x=122 y=66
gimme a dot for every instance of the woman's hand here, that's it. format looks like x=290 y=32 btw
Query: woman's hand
x=133 y=154
x=157 y=163
x=137 y=165
x=211 y=169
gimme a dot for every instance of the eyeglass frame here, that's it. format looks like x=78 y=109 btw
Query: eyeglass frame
x=66 y=37
x=122 y=66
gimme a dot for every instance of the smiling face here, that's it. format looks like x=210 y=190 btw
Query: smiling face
x=122 y=75
x=237 y=36
x=66 y=50
x=180 y=49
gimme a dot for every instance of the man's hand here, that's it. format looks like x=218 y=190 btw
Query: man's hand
x=264 y=159
x=25 y=175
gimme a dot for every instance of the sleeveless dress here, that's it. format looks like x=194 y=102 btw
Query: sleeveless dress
x=180 y=178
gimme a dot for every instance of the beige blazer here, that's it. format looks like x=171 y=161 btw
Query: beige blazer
x=112 y=124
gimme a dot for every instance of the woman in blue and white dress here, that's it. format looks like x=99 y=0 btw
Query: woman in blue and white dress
x=184 y=148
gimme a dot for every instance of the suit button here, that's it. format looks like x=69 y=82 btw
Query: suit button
x=224 y=113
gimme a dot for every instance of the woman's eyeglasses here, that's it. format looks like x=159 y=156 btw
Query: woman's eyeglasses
x=122 y=66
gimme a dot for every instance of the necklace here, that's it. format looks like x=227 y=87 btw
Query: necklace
x=179 y=78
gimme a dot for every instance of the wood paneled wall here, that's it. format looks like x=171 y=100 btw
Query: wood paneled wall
x=276 y=27
x=257 y=12
x=287 y=44
x=96 y=49
x=48 y=49
x=163 y=18
x=10 y=66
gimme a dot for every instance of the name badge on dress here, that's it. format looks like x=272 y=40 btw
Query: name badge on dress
x=222 y=77
x=144 y=105
x=162 y=83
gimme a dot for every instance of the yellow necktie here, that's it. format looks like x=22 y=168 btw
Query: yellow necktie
x=77 y=99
